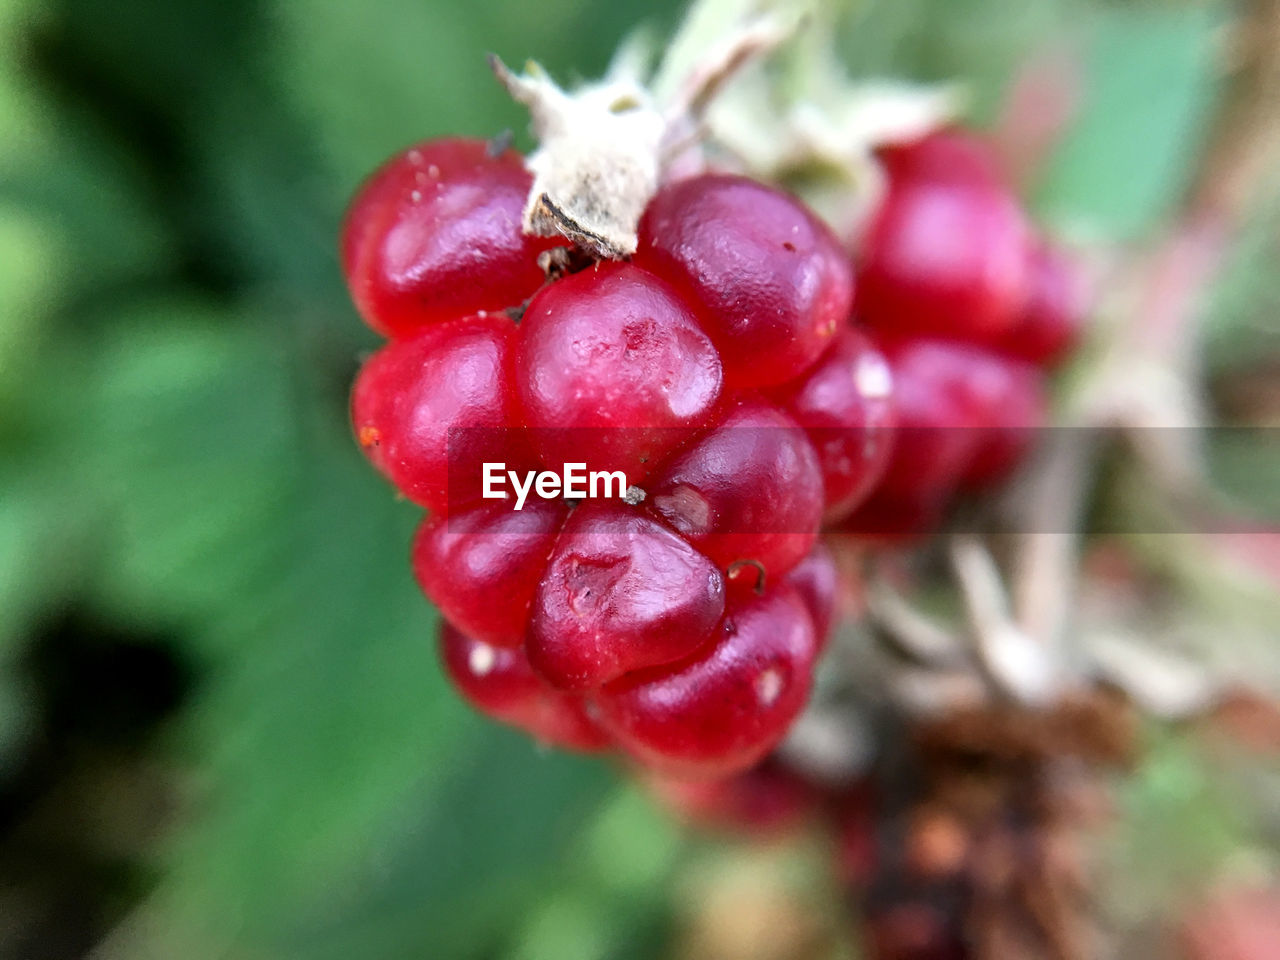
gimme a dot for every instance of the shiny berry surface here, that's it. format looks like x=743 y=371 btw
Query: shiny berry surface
x=816 y=580
x=498 y=682
x=749 y=491
x=1010 y=414
x=621 y=592
x=941 y=390
x=845 y=404
x=966 y=417
x=435 y=235
x=612 y=368
x=412 y=393
x=772 y=282
x=482 y=566
x=1051 y=322
x=964 y=413
x=724 y=708
x=945 y=255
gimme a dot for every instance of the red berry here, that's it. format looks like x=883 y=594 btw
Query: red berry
x=1015 y=410
x=721 y=710
x=895 y=519
x=749 y=491
x=816 y=580
x=615 y=350
x=944 y=256
x=965 y=412
x=436 y=234
x=845 y=404
x=412 y=394
x=621 y=592
x=771 y=279
x=498 y=682
x=965 y=417
x=939 y=386
x=765 y=799
x=946 y=155
x=482 y=566
x=1050 y=324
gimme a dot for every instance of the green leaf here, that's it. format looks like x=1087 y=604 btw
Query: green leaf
x=615 y=892
x=1242 y=325
x=1148 y=88
x=498 y=826
x=978 y=43
x=187 y=429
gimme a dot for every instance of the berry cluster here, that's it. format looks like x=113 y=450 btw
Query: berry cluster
x=716 y=369
x=971 y=308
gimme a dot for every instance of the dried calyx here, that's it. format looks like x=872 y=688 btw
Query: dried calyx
x=605 y=147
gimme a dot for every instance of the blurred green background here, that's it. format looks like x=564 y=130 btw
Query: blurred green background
x=223 y=732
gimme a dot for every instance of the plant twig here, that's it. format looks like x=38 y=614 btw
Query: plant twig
x=1016 y=667
x=914 y=634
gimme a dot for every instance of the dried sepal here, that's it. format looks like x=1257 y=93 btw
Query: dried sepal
x=801 y=119
x=597 y=161
x=603 y=147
